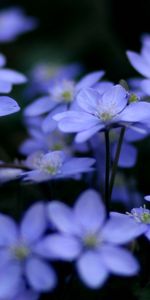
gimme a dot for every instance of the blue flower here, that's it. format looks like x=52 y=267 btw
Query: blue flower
x=84 y=235
x=14 y=23
x=18 y=258
x=61 y=95
x=98 y=112
x=55 y=165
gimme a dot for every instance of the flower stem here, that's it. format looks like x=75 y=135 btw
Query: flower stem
x=115 y=163
x=107 y=167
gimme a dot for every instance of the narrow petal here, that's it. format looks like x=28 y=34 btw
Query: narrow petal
x=121 y=229
x=8 y=106
x=40 y=275
x=62 y=217
x=5 y=87
x=136 y=112
x=34 y=223
x=139 y=63
x=119 y=261
x=89 y=80
x=80 y=121
x=60 y=246
x=92 y=270
x=90 y=211
x=12 y=76
x=10 y=280
x=39 y=106
x=8 y=231
x=87 y=134
x=77 y=165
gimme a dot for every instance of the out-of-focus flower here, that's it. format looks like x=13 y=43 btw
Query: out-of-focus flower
x=99 y=112
x=94 y=242
x=61 y=96
x=55 y=165
x=18 y=258
x=13 y=23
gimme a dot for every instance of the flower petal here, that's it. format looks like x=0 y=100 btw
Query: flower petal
x=121 y=229
x=40 y=275
x=77 y=165
x=119 y=261
x=5 y=87
x=62 y=217
x=78 y=121
x=10 y=280
x=89 y=80
x=136 y=112
x=90 y=211
x=60 y=246
x=8 y=231
x=40 y=106
x=12 y=76
x=8 y=106
x=92 y=270
x=87 y=134
x=88 y=100
x=34 y=223
x=139 y=63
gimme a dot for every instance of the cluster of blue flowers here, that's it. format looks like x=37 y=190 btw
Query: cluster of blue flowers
x=107 y=119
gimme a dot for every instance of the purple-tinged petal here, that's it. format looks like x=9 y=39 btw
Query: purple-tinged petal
x=34 y=223
x=49 y=124
x=12 y=76
x=10 y=280
x=62 y=217
x=113 y=100
x=135 y=112
x=77 y=122
x=77 y=165
x=147 y=234
x=92 y=270
x=119 y=261
x=127 y=157
x=121 y=229
x=139 y=63
x=39 y=106
x=87 y=134
x=8 y=106
x=145 y=86
x=89 y=80
x=5 y=87
x=40 y=275
x=88 y=100
x=36 y=176
x=2 y=60
x=90 y=211
x=8 y=231
x=60 y=246
x=147 y=198
x=103 y=86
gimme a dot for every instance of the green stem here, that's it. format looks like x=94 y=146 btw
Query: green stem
x=107 y=167
x=115 y=163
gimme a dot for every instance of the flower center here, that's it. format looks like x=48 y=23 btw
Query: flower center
x=105 y=116
x=140 y=214
x=91 y=241
x=63 y=91
x=51 y=163
x=20 y=252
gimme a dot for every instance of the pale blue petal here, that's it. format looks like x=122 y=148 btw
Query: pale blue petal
x=12 y=76
x=119 y=261
x=89 y=80
x=90 y=211
x=40 y=275
x=145 y=86
x=10 y=280
x=87 y=134
x=8 y=231
x=88 y=100
x=5 y=87
x=39 y=106
x=78 y=122
x=34 y=223
x=8 y=106
x=121 y=229
x=127 y=157
x=135 y=112
x=60 y=246
x=92 y=270
x=139 y=63
x=77 y=165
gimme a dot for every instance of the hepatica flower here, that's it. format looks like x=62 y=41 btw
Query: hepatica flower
x=55 y=165
x=18 y=258
x=8 y=77
x=84 y=235
x=98 y=112
x=13 y=23
x=61 y=95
